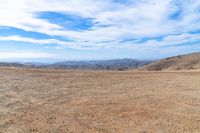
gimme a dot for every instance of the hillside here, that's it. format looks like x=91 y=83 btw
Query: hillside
x=181 y=62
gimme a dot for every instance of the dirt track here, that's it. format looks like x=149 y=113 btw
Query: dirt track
x=56 y=101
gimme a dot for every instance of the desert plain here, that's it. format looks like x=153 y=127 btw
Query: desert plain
x=75 y=101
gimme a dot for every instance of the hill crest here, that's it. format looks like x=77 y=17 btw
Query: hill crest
x=180 y=62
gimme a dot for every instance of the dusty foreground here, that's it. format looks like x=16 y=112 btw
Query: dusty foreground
x=58 y=101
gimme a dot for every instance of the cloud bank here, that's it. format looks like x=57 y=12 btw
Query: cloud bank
x=143 y=25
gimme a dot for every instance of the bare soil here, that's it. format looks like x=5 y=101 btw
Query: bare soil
x=64 y=101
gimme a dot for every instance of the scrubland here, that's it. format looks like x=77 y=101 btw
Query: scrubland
x=68 y=101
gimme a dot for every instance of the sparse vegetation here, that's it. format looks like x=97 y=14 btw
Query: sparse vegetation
x=181 y=62
x=49 y=100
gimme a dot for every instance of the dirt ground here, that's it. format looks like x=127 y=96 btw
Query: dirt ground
x=64 y=101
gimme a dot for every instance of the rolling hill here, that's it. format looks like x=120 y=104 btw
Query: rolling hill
x=181 y=62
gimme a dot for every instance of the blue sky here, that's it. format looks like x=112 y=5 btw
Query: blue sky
x=56 y=30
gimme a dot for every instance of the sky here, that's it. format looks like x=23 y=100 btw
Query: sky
x=57 y=30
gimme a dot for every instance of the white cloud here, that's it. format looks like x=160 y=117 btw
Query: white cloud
x=26 y=55
x=31 y=40
x=138 y=19
x=170 y=40
x=60 y=44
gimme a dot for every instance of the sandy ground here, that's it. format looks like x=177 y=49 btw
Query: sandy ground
x=58 y=101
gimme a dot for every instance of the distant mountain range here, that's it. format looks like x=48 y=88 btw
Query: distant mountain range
x=181 y=62
x=117 y=64
x=11 y=64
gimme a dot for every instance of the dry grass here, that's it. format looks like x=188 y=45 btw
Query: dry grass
x=181 y=62
x=55 y=101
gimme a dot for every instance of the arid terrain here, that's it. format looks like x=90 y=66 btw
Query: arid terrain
x=180 y=62
x=72 y=101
